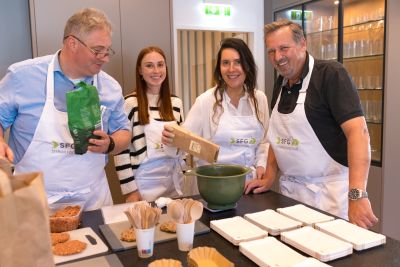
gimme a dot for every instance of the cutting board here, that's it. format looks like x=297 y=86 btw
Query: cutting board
x=110 y=260
x=91 y=249
x=112 y=233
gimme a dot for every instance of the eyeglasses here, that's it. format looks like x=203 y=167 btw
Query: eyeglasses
x=97 y=53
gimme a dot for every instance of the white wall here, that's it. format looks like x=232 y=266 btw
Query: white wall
x=246 y=16
x=391 y=141
x=15 y=40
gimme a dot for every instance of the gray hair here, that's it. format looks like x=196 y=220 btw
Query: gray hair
x=297 y=30
x=85 y=21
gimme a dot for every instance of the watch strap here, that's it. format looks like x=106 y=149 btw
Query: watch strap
x=111 y=146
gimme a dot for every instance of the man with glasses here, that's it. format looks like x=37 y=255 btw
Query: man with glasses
x=33 y=107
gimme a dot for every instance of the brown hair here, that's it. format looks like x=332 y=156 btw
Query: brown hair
x=249 y=67
x=164 y=102
x=297 y=30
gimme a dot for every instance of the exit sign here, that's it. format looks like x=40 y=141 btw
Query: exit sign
x=217 y=10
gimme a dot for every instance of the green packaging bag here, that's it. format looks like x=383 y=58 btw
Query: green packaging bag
x=84 y=115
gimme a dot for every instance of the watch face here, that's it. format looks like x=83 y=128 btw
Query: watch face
x=354 y=194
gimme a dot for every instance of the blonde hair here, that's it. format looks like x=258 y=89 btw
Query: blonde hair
x=85 y=21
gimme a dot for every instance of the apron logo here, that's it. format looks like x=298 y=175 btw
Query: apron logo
x=159 y=146
x=62 y=148
x=288 y=142
x=244 y=141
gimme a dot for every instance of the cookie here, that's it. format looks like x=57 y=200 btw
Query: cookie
x=69 y=248
x=59 y=238
x=128 y=235
x=169 y=227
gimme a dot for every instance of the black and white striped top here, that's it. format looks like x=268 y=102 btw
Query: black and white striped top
x=129 y=160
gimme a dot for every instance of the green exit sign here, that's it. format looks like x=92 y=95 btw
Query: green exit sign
x=217 y=10
x=296 y=14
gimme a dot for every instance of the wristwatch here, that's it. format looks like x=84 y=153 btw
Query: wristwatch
x=111 y=146
x=356 y=193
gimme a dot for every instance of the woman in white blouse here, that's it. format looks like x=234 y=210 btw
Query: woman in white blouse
x=232 y=114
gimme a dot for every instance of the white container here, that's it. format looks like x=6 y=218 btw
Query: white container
x=360 y=238
x=317 y=244
x=269 y=252
x=237 y=229
x=306 y=215
x=272 y=221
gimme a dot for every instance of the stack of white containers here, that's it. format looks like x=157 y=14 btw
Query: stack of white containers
x=312 y=232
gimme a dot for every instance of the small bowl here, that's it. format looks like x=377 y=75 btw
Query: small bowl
x=221 y=185
x=165 y=263
x=68 y=222
x=206 y=257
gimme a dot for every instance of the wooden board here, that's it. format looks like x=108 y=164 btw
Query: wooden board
x=112 y=233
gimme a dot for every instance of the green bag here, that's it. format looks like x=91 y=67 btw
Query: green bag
x=84 y=115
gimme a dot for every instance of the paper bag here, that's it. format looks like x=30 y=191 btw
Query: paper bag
x=24 y=221
x=194 y=144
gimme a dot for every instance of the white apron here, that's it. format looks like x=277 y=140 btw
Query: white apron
x=160 y=173
x=68 y=176
x=238 y=138
x=309 y=174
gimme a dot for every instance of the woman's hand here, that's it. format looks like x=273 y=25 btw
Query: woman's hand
x=167 y=135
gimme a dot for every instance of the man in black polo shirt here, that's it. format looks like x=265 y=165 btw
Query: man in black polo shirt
x=318 y=135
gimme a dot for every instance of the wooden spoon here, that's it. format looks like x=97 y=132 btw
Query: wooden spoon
x=175 y=210
x=196 y=210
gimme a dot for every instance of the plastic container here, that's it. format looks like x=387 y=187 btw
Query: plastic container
x=65 y=216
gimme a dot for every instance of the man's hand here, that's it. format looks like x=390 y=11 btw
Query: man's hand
x=167 y=135
x=361 y=214
x=259 y=172
x=99 y=145
x=5 y=151
x=133 y=196
x=257 y=186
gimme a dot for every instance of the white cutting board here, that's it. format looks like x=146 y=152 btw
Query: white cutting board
x=115 y=213
x=79 y=234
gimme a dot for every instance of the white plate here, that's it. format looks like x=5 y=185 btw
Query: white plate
x=360 y=238
x=272 y=221
x=237 y=229
x=317 y=244
x=304 y=214
x=91 y=249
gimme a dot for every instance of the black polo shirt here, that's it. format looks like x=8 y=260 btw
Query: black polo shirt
x=331 y=99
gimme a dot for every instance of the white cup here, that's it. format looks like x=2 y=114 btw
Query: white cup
x=185 y=235
x=145 y=242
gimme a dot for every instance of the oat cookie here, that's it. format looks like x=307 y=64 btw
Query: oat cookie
x=59 y=238
x=69 y=248
x=168 y=226
x=128 y=235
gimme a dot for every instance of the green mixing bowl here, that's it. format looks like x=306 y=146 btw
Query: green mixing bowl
x=221 y=185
